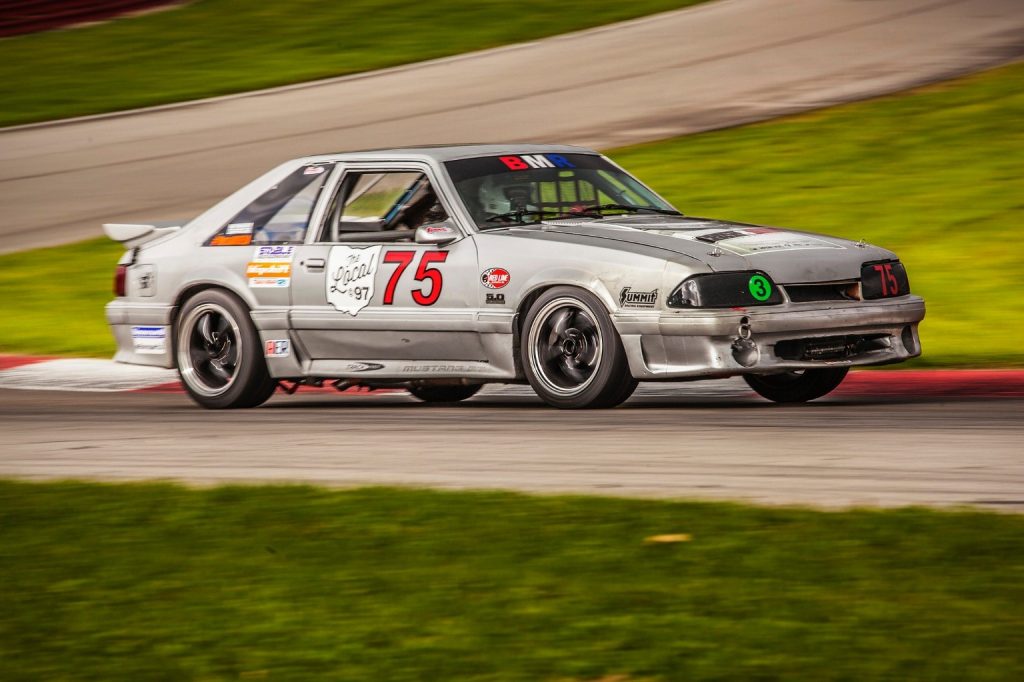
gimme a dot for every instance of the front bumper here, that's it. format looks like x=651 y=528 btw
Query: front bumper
x=681 y=344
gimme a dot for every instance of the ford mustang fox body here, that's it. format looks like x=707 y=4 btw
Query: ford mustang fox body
x=445 y=268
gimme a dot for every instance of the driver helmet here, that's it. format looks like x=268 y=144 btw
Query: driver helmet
x=496 y=198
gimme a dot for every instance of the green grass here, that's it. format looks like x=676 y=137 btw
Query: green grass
x=214 y=47
x=937 y=175
x=52 y=299
x=102 y=582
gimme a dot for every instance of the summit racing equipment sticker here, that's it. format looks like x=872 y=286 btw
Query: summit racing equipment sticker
x=350 y=275
x=149 y=340
x=637 y=299
x=270 y=267
x=495 y=278
x=746 y=241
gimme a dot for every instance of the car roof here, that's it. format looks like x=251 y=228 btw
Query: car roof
x=451 y=152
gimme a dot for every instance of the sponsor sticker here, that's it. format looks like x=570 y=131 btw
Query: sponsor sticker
x=270 y=267
x=149 y=340
x=313 y=170
x=274 y=252
x=277 y=348
x=238 y=228
x=495 y=278
x=628 y=298
x=363 y=366
x=233 y=240
x=350 y=276
x=527 y=161
x=438 y=229
x=748 y=241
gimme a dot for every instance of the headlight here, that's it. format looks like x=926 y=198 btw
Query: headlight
x=883 y=279
x=725 y=290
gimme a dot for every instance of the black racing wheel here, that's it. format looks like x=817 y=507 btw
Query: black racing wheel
x=571 y=353
x=220 y=358
x=450 y=393
x=797 y=387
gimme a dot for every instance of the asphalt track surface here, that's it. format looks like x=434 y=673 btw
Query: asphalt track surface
x=718 y=64
x=679 y=441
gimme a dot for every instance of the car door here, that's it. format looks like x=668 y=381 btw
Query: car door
x=366 y=297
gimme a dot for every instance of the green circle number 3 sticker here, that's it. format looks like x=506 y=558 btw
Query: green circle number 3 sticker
x=760 y=287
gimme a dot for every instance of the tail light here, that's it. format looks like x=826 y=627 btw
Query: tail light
x=121 y=273
x=120 y=276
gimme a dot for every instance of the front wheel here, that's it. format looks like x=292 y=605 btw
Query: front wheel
x=797 y=387
x=571 y=353
x=220 y=359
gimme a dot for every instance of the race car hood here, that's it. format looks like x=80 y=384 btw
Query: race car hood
x=788 y=256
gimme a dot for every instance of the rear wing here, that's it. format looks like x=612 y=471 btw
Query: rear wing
x=136 y=235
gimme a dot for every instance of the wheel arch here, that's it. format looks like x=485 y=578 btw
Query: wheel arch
x=533 y=293
x=187 y=292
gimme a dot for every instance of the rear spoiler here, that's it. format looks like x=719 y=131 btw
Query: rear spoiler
x=136 y=235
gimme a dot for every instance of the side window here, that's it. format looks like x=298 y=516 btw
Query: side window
x=280 y=215
x=381 y=206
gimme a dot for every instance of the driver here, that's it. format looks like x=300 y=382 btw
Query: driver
x=498 y=199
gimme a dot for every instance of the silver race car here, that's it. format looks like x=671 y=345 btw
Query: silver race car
x=444 y=268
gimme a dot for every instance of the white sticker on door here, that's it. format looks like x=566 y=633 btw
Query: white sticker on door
x=350 y=274
x=271 y=266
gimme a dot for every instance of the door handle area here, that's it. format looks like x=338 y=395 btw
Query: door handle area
x=314 y=264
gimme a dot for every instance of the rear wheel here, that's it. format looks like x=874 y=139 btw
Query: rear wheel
x=444 y=393
x=797 y=387
x=572 y=355
x=219 y=354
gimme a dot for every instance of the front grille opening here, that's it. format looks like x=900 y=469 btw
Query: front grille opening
x=831 y=347
x=832 y=291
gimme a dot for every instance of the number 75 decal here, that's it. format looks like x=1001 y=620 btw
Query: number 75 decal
x=890 y=285
x=424 y=272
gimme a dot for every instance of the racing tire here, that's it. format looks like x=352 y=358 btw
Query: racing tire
x=444 y=394
x=797 y=387
x=219 y=354
x=571 y=353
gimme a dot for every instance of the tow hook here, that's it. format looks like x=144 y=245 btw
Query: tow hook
x=744 y=350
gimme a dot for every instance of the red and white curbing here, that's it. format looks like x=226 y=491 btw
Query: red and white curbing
x=94 y=375
x=82 y=374
x=100 y=376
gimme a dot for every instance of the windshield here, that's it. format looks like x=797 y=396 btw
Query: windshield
x=529 y=188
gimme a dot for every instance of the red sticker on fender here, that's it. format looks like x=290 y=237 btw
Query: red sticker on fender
x=495 y=278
